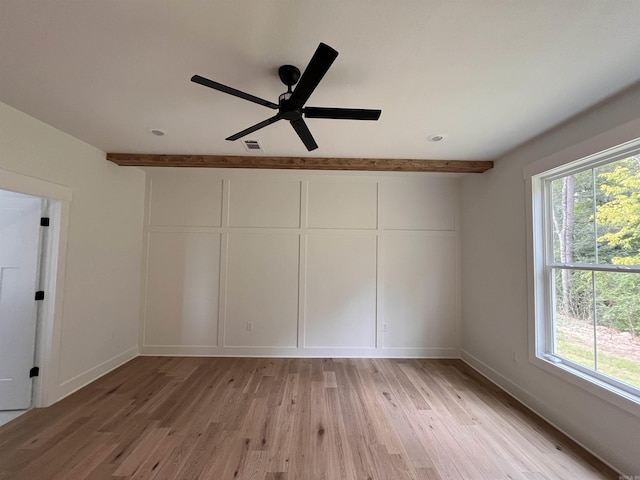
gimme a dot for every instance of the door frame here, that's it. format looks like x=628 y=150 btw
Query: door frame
x=54 y=249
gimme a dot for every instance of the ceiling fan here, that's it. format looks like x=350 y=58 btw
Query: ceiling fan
x=290 y=104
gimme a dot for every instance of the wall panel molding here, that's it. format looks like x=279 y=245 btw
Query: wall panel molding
x=307 y=266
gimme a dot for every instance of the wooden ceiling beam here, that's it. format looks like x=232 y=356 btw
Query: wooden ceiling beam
x=300 y=163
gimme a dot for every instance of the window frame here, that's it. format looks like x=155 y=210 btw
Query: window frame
x=541 y=265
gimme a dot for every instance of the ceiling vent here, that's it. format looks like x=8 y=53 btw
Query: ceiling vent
x=252 y=146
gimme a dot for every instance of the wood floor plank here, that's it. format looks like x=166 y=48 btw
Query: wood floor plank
x=400 y=408
x=177 y=458
x=340 y=454
x=237 y=459
x=319 y=453
x=142 y=451
x=84 y=468
x=282 y=436
x=167 y=418
x=146 y=470
x=386 y=434
x=208 y=445
x=55 y=455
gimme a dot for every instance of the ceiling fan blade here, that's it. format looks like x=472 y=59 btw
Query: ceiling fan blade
x=232 y=91
x=341 y=113
x=257 y=126
x=305 y=135
x=318 y=66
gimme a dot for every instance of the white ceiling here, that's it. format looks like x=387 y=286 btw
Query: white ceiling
x=489 y=74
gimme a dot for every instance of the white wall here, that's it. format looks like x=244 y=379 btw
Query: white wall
x=100 y=308
x=495 y=288
x=301 y=264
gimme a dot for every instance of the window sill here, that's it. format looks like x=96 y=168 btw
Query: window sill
x=619 y=398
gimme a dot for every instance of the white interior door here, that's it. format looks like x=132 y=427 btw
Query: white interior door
x=19 y=254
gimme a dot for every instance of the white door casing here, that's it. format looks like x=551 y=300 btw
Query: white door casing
x=19 y=255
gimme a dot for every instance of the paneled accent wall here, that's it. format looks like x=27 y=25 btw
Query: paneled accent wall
x=301 y=264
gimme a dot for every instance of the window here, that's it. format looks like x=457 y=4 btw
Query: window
x=586 y=219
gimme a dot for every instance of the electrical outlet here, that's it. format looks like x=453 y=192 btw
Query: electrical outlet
x=514 y=357
x=385 y=327
x=249 y=326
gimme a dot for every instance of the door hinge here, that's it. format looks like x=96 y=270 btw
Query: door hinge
x=34 y=372
x=40 y=295
x=44 y=221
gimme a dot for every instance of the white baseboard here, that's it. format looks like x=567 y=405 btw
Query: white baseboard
x=68 y=387
x=526 y=398
x=293 y=352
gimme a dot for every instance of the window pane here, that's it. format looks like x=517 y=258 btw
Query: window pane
x=618 y=212
x=618 y=341
x=573 y=316
x=573 y=220
x=591 y=221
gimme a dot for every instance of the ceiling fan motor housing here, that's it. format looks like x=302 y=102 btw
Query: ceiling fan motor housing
x=289 y=75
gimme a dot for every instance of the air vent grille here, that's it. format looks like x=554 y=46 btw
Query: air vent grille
x=252 y=146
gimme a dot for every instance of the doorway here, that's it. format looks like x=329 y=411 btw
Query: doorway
x=22 y=237
x=45 y=388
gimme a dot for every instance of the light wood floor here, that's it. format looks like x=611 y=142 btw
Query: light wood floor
x=285 y=419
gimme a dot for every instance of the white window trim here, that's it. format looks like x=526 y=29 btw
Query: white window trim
x=539 y=291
